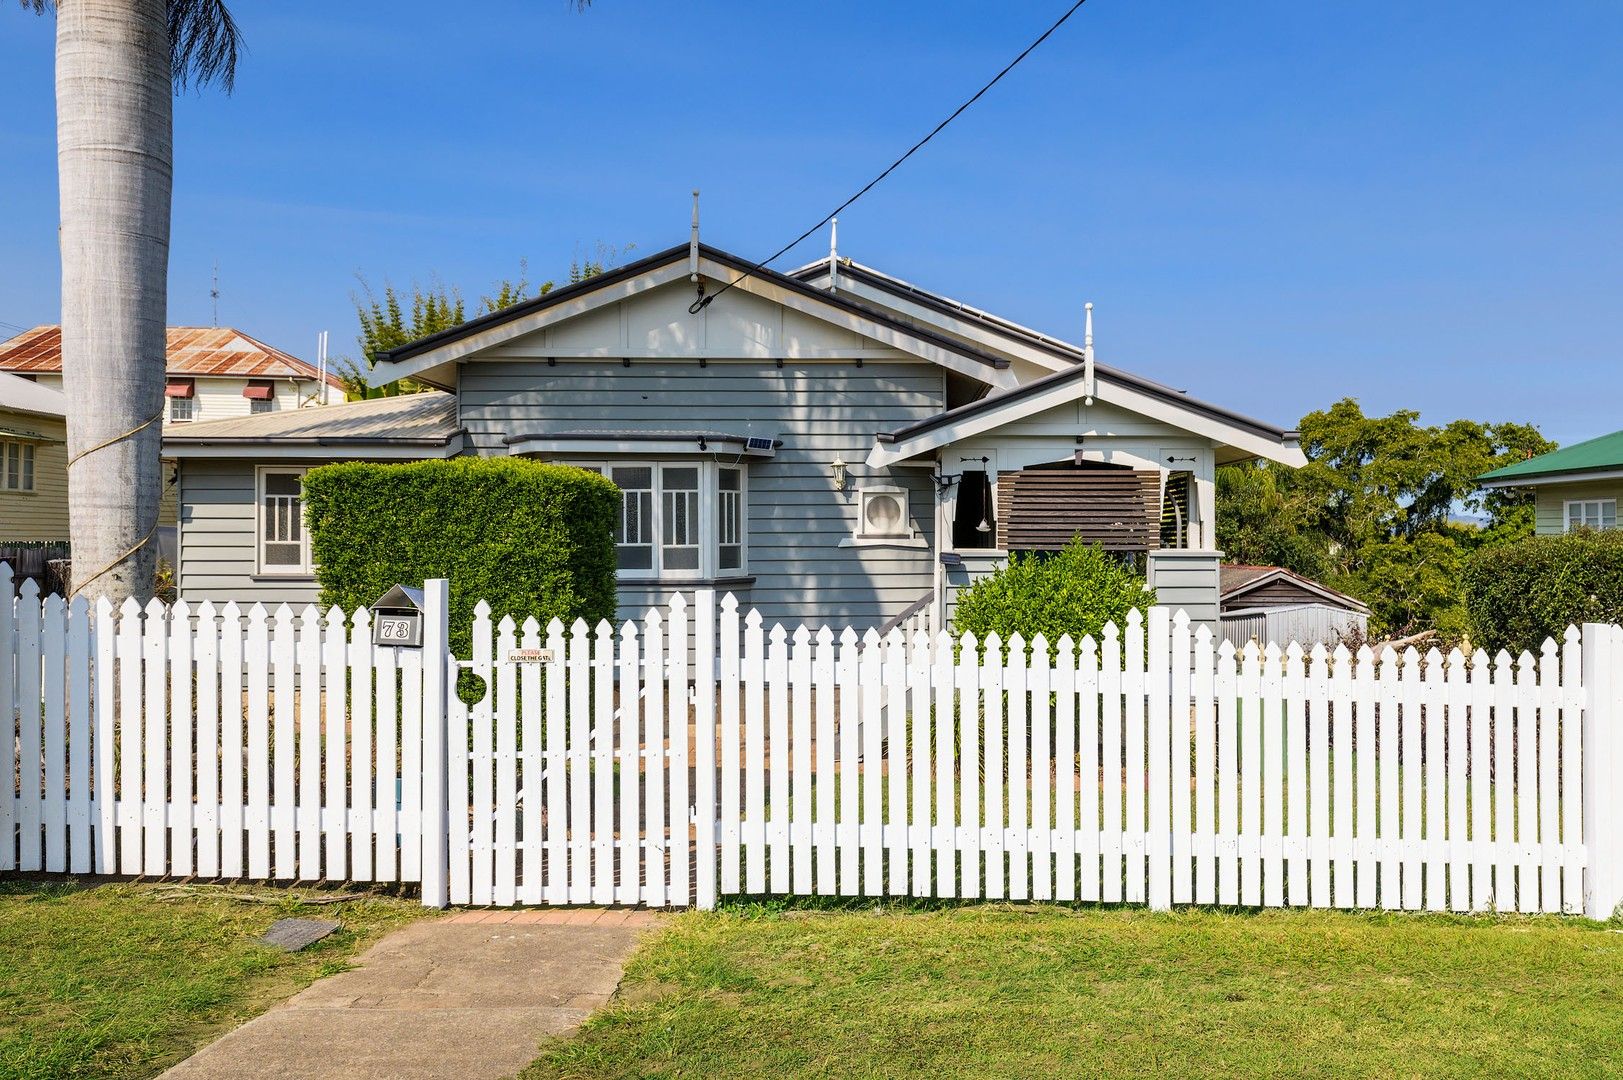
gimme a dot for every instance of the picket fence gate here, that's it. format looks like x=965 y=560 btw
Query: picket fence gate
x=699 y=754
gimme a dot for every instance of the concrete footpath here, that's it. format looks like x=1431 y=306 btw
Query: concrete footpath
x=466 y=997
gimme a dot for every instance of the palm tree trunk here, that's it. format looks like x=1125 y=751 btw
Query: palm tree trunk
x=114 y=130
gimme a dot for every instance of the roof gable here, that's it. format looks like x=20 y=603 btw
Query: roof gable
x=642 y=310
x=1247 y=437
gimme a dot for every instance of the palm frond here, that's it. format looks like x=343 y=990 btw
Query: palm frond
x=203 y=43
x=38 y=7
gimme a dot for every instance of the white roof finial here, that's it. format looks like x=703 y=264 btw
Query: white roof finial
x=1087 y=354
x=693 y=244
x=833 y=254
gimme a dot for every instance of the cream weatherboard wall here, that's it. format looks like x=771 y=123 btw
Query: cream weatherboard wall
x=219 y=398
x=1550 y=501
x=39 y=515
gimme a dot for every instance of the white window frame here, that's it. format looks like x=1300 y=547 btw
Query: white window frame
x=26 y=454
x=192 y=409
x=306 y=567
x=261 y=406
x=1586 y=505
x=708 y=516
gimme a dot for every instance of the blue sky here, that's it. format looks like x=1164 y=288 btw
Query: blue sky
x=1272 y=205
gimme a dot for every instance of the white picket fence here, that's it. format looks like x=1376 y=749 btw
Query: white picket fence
x=700 y=754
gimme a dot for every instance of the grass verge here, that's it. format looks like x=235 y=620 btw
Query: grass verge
x=1001 y=991
x=123 y=980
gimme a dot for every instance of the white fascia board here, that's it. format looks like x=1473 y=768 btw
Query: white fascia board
x=1554 y=479
x=453 y=351
x=978 y=332
x=270 y=451
x=688 y=447
x=1108 y=390
x=850 y=320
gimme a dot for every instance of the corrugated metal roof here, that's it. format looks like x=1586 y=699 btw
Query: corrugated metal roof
x=1604 y=452
x=409 y=418
x=21 y=395
x=192 y=351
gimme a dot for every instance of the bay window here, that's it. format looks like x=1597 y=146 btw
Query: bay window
x=678 y=519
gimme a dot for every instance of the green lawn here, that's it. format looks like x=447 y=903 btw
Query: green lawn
x=1000 y=991
x=119 y=981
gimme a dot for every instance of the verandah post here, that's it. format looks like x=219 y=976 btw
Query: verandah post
x=1603 y=768
x=436 y=682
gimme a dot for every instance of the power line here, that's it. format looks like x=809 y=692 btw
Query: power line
x=704 y=301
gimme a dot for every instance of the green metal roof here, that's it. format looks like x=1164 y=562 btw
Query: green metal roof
x=1605 y=452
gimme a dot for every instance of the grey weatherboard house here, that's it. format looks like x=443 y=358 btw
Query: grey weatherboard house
x=833 y=445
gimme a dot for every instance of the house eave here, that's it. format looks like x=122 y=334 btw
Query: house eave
x=327 y=448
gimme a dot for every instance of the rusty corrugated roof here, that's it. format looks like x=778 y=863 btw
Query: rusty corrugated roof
x=192 y=351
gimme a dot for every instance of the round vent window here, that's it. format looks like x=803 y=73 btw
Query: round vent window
x=883 y=515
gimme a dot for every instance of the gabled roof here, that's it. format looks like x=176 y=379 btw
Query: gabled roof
x=1238 y=580
x=1252 y=437
x=716 y=264
x=411 y=425
x=1594 y=459
x=191 y=351
x=23 y=396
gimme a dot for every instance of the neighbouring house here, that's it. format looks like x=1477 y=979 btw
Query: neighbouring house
x=33 y=479
x=33 y=463
x=211 y=372
x=1271 y=603
x=833 y=445
x=1576 y=487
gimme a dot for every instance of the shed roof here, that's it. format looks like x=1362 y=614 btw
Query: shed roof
x=1597 y=455
x=1237 y=580
x=191 y=351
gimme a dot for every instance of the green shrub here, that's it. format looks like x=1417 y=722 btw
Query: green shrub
x=530 y=539
x=1521 y=593
x=1075 y=591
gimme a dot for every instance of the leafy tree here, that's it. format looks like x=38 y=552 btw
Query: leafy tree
x=385 y=323
x=1375 y=511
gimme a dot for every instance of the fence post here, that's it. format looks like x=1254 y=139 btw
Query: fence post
x=1602 y=769
x=436 y=688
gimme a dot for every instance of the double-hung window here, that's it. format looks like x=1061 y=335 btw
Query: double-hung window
x=1591 y=514
x=284 y=542
x=678 y=519
x=16 y=466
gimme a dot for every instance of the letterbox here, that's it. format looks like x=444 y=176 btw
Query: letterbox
x=397 y=618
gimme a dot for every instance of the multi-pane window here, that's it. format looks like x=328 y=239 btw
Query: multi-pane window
x=262 y=405
x=1591 y=514
x=284 y=543
x=678 y=518
x=182 y=409
x=17 y=466
x=730 y=518
x=636 y=541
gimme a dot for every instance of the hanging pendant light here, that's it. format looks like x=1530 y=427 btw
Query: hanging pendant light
x=986 y=501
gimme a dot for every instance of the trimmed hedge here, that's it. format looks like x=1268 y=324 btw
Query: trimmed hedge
x=1521 y=593
x=1074 y=591
x=530 y=539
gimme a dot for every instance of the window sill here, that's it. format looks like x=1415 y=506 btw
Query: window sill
x=736 y=581
x=885 y=541
x=262 y=576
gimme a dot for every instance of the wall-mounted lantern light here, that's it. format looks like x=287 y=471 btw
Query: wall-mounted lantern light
x=838 y=466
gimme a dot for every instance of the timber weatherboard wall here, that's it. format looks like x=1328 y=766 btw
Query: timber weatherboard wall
x=797 y=565
x=1550 y=500
x=218 y=560
x=42 y=514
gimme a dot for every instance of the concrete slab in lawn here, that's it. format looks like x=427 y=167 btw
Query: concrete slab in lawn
x=465 y=997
